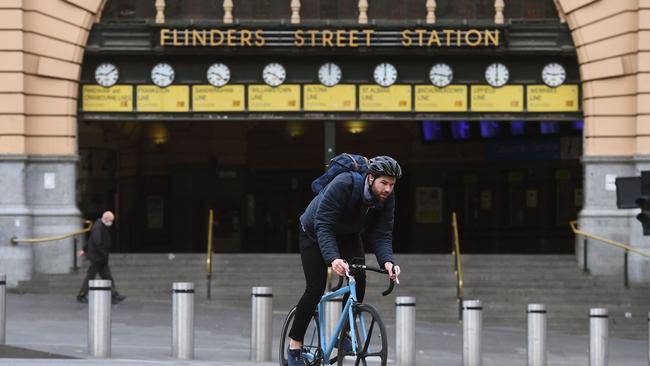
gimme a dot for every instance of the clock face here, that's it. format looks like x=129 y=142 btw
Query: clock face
x=106 y=74
x=497 y=74
x=329 y=74
x=385 y=74
x=162 y=74
x=553 y=74
x=441 y=75
x=274 y=74
x=218 y=75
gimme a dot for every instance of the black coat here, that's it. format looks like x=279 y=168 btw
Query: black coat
x=98 y=244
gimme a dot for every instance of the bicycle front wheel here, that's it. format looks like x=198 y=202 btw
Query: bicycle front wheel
x=312 y=351
x=370 y=336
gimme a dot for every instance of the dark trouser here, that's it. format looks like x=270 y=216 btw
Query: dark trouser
x=104 y=272
x=315 y=270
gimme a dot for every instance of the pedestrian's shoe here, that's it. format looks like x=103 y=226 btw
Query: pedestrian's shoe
x=117 y=299
x=294 y=358
x=82 y=299
x=346 y=344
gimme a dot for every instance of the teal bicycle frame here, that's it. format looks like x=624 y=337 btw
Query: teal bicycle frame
x=346 y=315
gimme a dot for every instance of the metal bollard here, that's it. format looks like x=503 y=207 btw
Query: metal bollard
x=472 y=333
x=183 y=320
x=333 y=309
x=3 y=307
x=598 y=336
x=405 y=330
x=261 y=324
x=536 y=335
x=648 y=338
x=99 y=318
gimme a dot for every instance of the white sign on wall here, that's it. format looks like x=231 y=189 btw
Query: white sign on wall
x=49 y=180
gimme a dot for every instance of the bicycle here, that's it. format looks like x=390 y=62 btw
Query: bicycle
x=354 y=318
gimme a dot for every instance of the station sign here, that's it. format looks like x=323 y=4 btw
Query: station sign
x=541 y=98
x=118 y=98
x=228 y=98
x=452 y=98
x=174 y=98
x=342 y=97
x=508 y=98
x=284 y=98
x=395 y=98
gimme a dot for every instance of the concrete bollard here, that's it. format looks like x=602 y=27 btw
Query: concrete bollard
x=99 y=318
x=536 y=335
x=405 y=330
x=3 y=307
x=333 y=309
x=472 y=330
x=598 y=336
x=183 y=320
x=261 y=323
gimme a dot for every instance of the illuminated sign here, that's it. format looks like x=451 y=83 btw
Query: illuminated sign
x=375 y=98
x=509 y=98
x=174 y=98
x=337 y=98
x=541 y=98
x=207 y=98
x=118 y=98
x=329 y=38
x=452 y=98
x=263 y=98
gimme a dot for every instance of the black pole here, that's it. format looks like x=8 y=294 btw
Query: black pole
x=74 y=255
x=626 y=280
x=585 y=267
x=209 y=284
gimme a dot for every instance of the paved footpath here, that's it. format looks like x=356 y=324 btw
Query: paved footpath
x=141 y=335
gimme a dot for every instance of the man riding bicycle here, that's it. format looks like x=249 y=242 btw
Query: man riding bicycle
x=330 y=234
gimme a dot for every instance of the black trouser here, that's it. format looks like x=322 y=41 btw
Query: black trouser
x=315 y=268
x=104 y=272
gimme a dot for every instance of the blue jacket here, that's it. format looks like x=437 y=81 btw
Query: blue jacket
x=329 y=214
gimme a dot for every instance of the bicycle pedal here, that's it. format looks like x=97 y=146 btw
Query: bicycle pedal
x=333 y=360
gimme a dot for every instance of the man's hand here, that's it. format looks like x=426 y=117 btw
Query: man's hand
x=81 y=253
x=393 y=276
x=340 y=267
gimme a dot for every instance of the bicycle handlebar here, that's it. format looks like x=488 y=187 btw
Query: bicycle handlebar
x=363 y=267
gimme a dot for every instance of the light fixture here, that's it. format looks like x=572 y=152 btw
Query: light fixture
x=159 y=134
x=356 y=127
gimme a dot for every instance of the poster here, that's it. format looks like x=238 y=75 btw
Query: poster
x=428 y=205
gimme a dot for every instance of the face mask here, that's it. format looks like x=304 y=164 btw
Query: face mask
x=108 y=224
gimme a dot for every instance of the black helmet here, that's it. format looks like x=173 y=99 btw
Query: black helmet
x=384 y=165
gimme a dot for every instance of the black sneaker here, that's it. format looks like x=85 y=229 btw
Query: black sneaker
x=82 y=299
x=117 y=299
x=294 y=357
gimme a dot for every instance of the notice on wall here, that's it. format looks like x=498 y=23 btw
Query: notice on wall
x=531 y=198
x=486 y=200
x=336 y=98
x=541 y=98
x=509 y=98
x=452 y=98
x=49 y=180
x=228 y=98
x=375 y=98
x=428 y=205
x=174 y=98
x=263 y=98
x=96 y=98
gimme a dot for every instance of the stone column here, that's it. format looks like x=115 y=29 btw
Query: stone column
x=51 y=197
x=15 y=220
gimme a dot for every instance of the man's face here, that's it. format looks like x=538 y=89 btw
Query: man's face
x=382 y=186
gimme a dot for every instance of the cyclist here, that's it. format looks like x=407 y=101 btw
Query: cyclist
x=330 y=234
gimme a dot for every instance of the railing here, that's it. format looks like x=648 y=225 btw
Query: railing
x=625 y=247
x=209 y=256
x=458 y=270
x=74 y=234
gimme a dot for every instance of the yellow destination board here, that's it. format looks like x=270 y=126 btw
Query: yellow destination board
x=375 y=98
x=541 y=98
x=452 y=98
x=174 y=98
x=228 y=98
x=263 y=98
x=508 y=98
x=336 y=98
x=118 y=98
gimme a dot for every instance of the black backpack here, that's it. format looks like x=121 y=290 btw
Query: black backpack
x=357 y=165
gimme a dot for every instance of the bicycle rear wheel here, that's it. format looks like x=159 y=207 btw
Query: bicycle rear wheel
x=371 y=338
x=312 y=351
